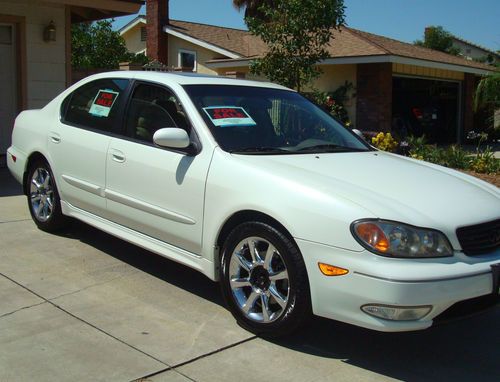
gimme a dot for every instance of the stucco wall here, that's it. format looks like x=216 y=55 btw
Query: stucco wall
x=133 y=39
x=46 y=70
x=202 y=55
x=335 y=76
x=134 y=44
x=469 y=51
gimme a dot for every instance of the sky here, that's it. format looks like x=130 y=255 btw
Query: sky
x=477 y=21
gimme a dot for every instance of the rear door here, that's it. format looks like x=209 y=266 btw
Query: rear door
x=153 y=190
x=78 y=144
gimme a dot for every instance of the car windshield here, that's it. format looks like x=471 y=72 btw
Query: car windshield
x=254 y=120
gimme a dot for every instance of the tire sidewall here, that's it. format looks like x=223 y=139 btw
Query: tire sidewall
x=56 y=219
x=298 y=305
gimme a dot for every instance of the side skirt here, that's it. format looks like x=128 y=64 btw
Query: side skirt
x=151 y=244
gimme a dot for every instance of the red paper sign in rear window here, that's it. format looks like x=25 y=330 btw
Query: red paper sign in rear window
x=103 y=102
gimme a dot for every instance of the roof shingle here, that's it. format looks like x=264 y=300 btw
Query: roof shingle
x=346 y=42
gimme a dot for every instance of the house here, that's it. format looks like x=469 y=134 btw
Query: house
x=472 y=51
x=397 y=85
x=35 y=51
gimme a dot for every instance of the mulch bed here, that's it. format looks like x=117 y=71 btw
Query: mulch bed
x=491 y=178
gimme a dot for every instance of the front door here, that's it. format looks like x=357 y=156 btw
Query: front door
x=8 y=90
x=152 y=190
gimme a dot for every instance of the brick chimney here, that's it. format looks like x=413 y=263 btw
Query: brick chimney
x=427 y=31
x=157 y=41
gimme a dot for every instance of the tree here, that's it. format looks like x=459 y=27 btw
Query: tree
x=297 y=33
x=251 y=7
x=488 y=92
x=97 y=46
x=437 y=38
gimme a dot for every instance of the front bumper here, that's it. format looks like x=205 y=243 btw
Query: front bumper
x=372 y=279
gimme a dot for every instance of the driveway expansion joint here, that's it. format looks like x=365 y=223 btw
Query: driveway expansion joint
x=52 y=299
x=24 y=307
x=174 y=368
x=14 y=221
x=83 y=321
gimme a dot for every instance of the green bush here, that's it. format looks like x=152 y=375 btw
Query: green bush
x=481 y=161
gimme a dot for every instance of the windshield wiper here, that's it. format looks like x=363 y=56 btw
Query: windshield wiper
x=259 y=150
x=330 y=147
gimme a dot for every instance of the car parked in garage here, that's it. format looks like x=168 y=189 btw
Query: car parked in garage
x=255 y=186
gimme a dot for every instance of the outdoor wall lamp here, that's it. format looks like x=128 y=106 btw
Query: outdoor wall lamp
x=49 y=32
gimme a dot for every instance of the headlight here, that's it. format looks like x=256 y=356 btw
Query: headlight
x=393 y=239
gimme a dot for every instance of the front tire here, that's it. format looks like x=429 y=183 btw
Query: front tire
x=264 y=280
x=43 y=198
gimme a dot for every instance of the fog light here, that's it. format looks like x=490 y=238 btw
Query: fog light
x=397 y=313
x=330 y=270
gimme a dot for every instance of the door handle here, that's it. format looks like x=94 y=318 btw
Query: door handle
x=55 y=138
x=117 y=156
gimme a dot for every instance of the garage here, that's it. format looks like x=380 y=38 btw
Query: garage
x=427 y=107
x=8 y=91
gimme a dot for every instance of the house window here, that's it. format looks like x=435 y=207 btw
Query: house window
x=187 y=59
x=144 y=34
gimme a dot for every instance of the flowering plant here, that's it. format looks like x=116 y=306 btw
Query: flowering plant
x=385 y=141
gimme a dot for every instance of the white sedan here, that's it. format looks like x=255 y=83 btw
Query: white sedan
x=255 y=186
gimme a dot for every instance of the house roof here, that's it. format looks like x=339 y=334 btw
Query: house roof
x=241 y=46
x=487 y=50
x=84 y=11
x=399 y=48
x=233 y=40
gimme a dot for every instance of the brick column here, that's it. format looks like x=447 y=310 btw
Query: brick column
x=374 y=97
x=157 y=40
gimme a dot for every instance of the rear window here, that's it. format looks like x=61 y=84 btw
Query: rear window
x=95 y=105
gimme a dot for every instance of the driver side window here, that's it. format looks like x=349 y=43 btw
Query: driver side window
x=152 y=108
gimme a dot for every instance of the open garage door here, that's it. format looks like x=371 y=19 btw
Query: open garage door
x=426 y=107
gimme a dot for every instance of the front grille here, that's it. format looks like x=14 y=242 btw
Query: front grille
x=479 y=239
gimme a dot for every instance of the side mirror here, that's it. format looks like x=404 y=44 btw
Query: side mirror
x=172 y=137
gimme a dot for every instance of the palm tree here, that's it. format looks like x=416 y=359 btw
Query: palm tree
x=488 y=91
x=251 y=6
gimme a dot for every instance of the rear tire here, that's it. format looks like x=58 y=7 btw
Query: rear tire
x=264 y=280
x=43 y=197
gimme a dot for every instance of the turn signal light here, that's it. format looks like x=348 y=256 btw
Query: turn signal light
x=330 y=270
x=373 y=235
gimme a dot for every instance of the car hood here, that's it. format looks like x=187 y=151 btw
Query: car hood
x=390 y=186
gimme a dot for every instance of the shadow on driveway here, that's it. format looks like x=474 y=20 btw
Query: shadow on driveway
x=466 y=350
x=149 y=262
x=8 y=185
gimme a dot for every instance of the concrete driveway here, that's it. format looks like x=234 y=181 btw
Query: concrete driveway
x=85 y=306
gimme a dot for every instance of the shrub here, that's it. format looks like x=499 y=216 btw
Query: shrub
x=485 y=162
x=481 y=161
x=385 y=141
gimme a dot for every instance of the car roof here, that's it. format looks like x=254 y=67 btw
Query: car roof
x=187 y=79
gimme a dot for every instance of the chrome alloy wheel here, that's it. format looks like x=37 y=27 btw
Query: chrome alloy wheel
x=259 y=280
x=42 y=194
